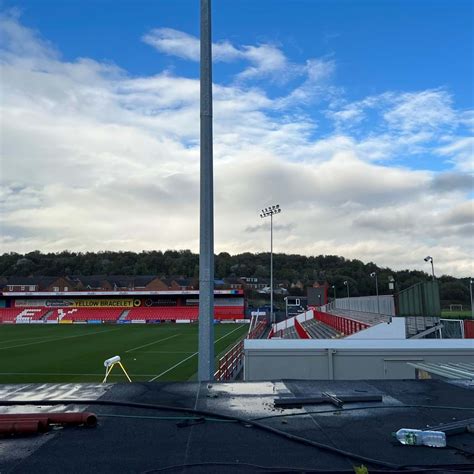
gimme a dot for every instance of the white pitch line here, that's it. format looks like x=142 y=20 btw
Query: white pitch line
x=68 y=374
x=26 y=339
x=164 y=352
x=58 y=339
x=192 y=355
x=171 y=368
x=155 y=342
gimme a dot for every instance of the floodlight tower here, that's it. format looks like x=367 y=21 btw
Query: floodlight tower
x=334 y=288
x=269 y=212
x=206 y=237
x=430 y=259
x=374 y=275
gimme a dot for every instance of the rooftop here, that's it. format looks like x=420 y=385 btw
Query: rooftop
x=139 y=439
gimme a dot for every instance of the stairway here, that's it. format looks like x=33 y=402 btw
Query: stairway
x=318 y=330
x=124 y=315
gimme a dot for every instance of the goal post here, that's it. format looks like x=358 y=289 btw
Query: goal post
x=455 y=307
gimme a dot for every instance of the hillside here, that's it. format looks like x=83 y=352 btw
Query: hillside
x=290 y=269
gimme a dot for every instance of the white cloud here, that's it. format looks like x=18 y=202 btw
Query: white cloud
x=265 y=60
x=420 y=110
x=461 y=151
x=93 y=159
x=186 y=46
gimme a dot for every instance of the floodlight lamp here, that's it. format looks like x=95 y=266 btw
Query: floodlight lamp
x=345 y=283
x=373 y=274
x=428 y=259
x=333 y=287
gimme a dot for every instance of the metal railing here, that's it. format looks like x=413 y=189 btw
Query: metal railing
x=342 y=324
x=231 y=363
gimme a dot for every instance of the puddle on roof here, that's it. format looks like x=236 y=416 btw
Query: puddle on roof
x=61 y=391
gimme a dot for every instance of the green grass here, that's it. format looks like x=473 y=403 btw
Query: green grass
x=456 y=314
x=76 y=353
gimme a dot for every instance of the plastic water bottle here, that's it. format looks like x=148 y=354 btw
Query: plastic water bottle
x=434 y=439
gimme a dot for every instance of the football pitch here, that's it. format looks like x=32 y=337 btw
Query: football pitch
x=76 y=353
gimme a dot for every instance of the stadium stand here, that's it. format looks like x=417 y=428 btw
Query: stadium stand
x=164 y=313
x=12 y=314
x=156 y=313
x=170 y=313
x=368 y=318
x=85 y=314
x=318 y=330
x=287 y=333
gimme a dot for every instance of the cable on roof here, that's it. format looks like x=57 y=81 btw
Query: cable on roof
x=206 y=413
x=365 y=407
x=281 y=469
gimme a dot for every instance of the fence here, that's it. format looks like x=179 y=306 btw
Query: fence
x=367 y=304
x=421 y=299
x=230 y=364
x=340 y=323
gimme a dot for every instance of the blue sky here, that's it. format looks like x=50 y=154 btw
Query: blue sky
x=379 y=45
x=360 y=112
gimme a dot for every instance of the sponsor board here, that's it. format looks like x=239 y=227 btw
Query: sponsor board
x=94 y=321
x=123 y=322
x=180 y=321
x=137 y=321
x=65 y=321
x=80 y=322
x=79 y=303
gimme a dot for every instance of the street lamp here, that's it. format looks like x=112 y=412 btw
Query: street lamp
x=346 y=284
x=334 y=288
x=269 y=212
x=374 y=275
x=430 y=259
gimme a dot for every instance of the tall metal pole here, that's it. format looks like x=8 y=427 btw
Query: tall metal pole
x=375 y=276
x=377 y=292
x=471 y=281
x=206 y=244
x=348 y=294
x=432 y=269
x=269 y=211
x=272 y=314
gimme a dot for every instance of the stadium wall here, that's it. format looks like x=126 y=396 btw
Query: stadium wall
x=345 y=359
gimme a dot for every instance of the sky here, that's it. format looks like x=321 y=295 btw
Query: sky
x=356 y=117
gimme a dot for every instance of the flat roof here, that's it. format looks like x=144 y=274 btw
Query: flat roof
x=129 y=439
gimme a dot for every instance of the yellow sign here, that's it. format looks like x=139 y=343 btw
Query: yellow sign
x=124 y=303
